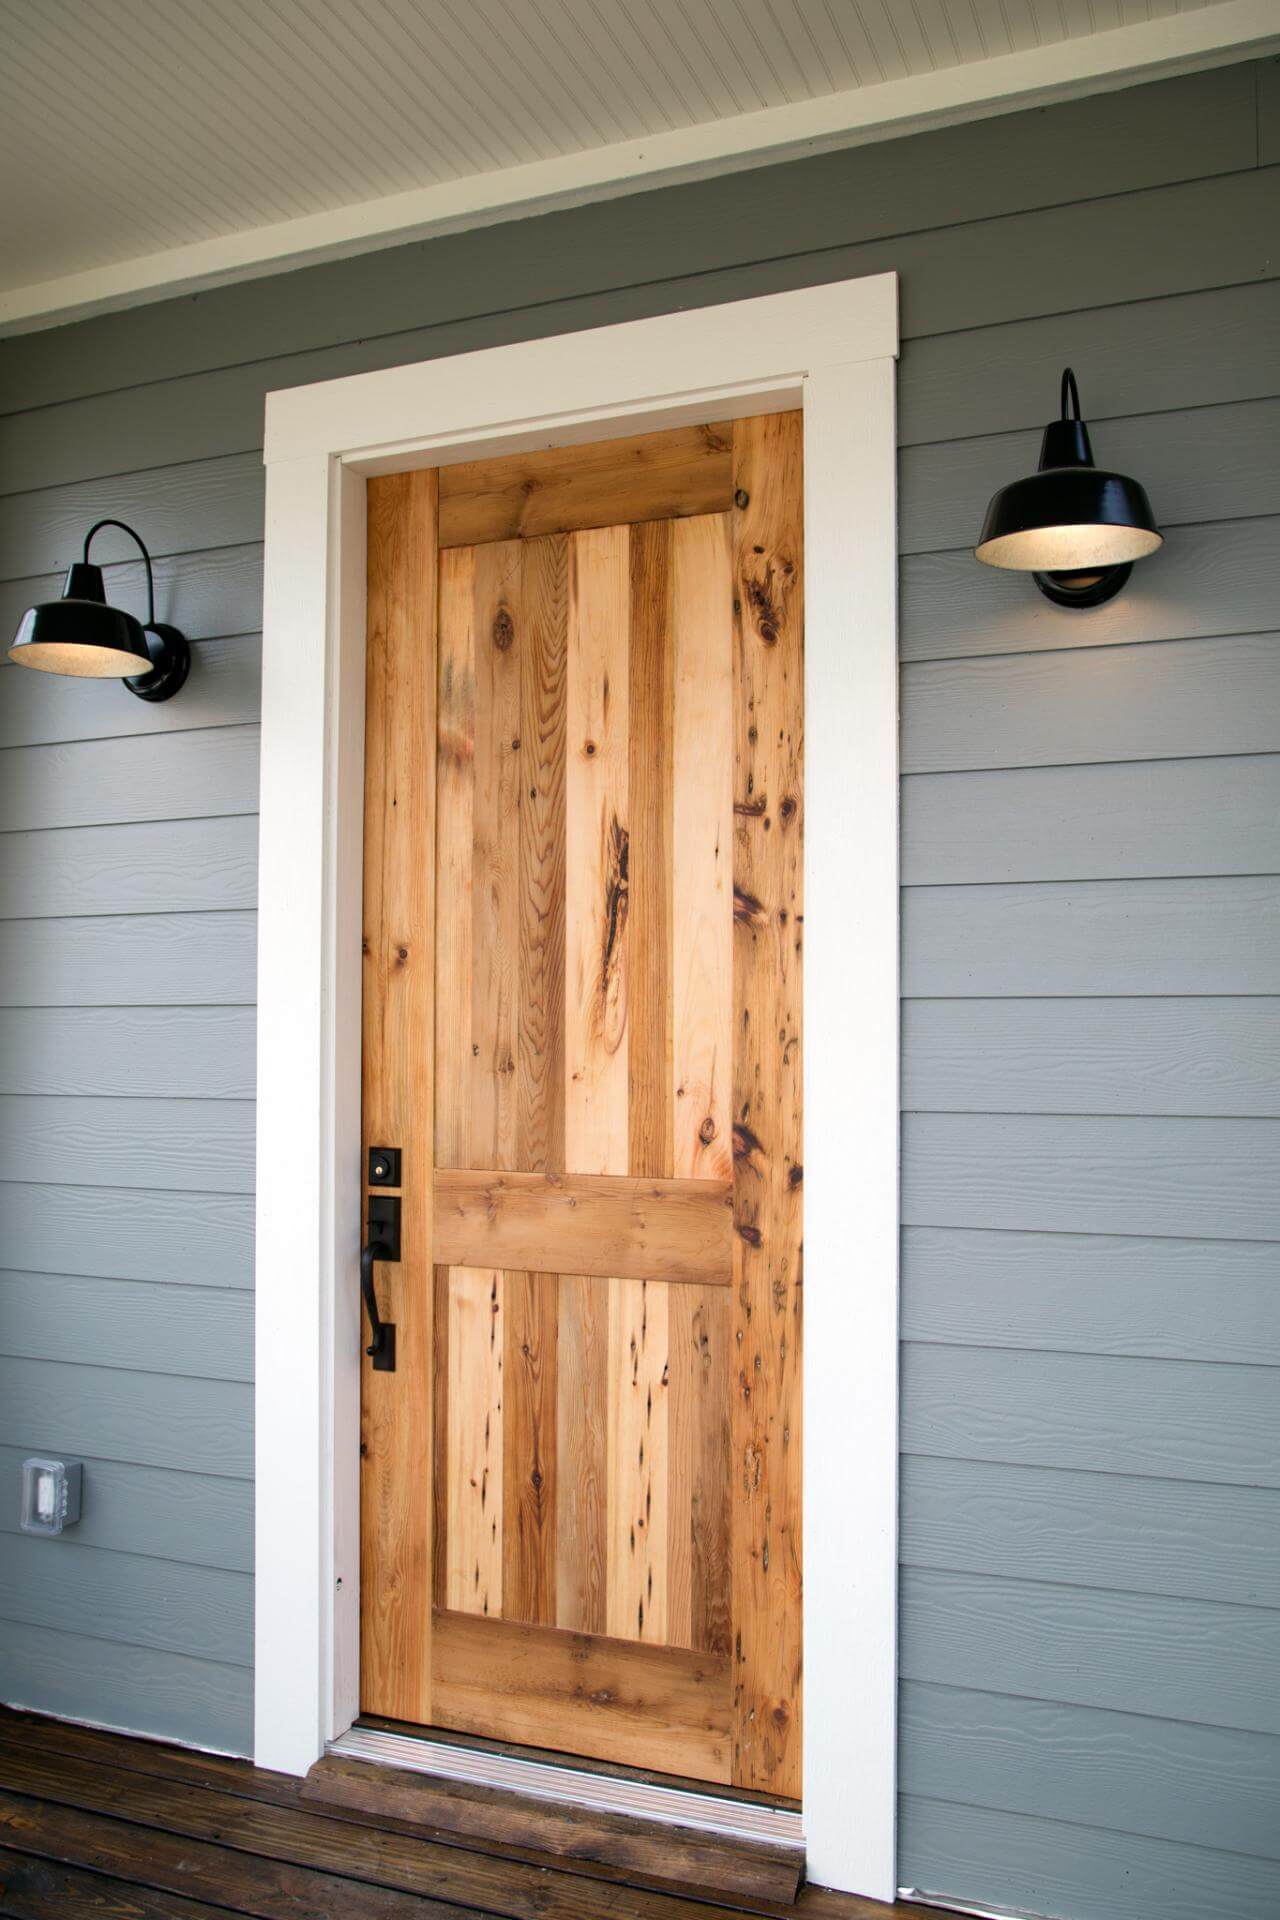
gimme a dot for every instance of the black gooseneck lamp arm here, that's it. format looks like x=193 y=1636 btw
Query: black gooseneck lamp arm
x=170 y=654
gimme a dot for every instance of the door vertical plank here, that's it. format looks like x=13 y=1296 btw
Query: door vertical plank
x=582 y=1443
x=540 y=1063
x=455 y=801
x=637 y=1577
x=531 y=1441
x=530 y=1478
x=702 y=994
x=397 y=1096
x=597 y=854
x=474 y=1534
x=768 y=1169
x=495 y=950
x=702 y=866
x=699 y=1583
x=649 y=852
x=441 y=1407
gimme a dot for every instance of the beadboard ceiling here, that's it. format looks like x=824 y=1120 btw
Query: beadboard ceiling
x=154 y=145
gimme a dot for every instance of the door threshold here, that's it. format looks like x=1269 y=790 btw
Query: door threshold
x=573 y=1786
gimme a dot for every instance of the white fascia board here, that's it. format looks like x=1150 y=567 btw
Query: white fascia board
x=1066 y=69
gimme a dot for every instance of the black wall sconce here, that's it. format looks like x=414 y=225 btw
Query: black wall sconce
x=80 y=634
x=1074 y=528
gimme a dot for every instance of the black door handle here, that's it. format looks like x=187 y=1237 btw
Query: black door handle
x=382 y=1348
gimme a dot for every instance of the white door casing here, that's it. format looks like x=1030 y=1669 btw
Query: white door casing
x=830 y=350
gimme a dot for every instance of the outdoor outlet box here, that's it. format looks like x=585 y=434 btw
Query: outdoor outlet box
x=50 y=1495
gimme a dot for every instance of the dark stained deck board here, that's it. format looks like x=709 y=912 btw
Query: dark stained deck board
x=118 y=1828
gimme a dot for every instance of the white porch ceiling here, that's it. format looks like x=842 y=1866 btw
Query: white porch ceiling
x=149 y=146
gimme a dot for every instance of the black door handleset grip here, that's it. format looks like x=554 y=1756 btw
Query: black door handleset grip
x=383 y=1244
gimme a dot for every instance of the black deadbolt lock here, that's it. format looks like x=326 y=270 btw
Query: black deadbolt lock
x=384 y=1166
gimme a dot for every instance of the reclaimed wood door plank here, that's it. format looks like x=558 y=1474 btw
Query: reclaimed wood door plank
x=670 y=1708
x=597 y=854
x=398 y=1099
x=651 y=476
x=611 y=1226
x=768 y=1155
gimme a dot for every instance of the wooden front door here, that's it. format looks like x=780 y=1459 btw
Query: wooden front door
x=583 y=931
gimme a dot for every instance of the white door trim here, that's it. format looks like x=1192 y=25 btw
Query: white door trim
x=831 y=351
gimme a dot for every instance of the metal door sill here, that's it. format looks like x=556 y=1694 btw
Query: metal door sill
x=604 y=1793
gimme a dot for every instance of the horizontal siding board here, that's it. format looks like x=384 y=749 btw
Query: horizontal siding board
x=223 y=689
x=1113 y=1532
x=1267 y=75
x=143 y=1602
x=1102 y=1414
x=1190 y=1660
x=1218 y=579
x=1145 y=819
x=170 y=866
x=162 y=776
x=199 y=1518
x=1214 y=936
x=200 y=503
x=1204 y=463
x=201 y=958
x=1175 y=130
x=176 y=1238
x=1176 y=1055
x=1093 y=1293
x=191 y=1144
x=1121 y=248
x=140 y=1052
x=1160 y=701
x=1192 y=349
x=1134 y=1773
x=138 y=1325
x=208 y=595
x=1068 y=1173
x=134 y=1689
x=152 y=1419
x=992 y=1858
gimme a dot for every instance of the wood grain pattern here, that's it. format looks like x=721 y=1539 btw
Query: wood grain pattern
x=699 y=1586
x=668 y=1708
x=398 y=1099
x=701 y=1360
x=474 y=1541
x=702 y=853
x=455 y=828
x=597 y=854
x=636 y=1601
x=495 y=901
x=650 y=851
x=582 y=1419
x=543 y=657
x=768 y=1156
x=651 y=476
x=571 y=1223
x=441 y=1409
x=530 y=1450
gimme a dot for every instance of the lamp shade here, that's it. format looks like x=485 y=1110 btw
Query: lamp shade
x=80 y=634
x=1068 y=518
x=1075 y=526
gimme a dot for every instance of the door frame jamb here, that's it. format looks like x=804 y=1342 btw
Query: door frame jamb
x=831 y=351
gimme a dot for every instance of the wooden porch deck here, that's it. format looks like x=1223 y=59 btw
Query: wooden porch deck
x=97 y=1824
